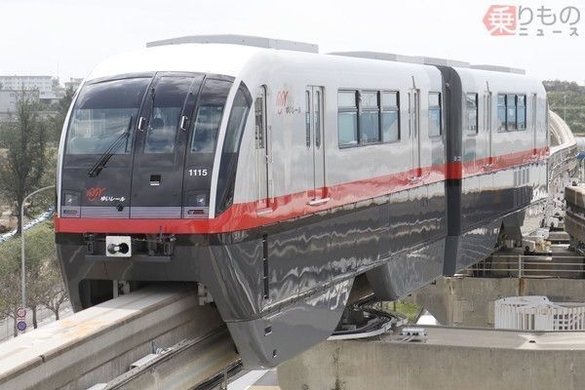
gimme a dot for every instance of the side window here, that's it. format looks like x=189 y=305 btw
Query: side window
x=501 y=112
x=237 y=121
x=435 y=129
x=471 y=109
x=510 y=112
x=308 y=119
x=369 y=118
x=229 y=154
x=390 y=118
x=521 y=112
x=347 y=119
x=208 y=116
x=317 y=116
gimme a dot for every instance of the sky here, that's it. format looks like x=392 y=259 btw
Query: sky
x=67 y=38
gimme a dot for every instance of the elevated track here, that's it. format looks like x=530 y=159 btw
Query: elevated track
x=96 y=347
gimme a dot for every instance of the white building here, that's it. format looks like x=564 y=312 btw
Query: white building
x=9 y=100
x=44 y=84
x=41 y=88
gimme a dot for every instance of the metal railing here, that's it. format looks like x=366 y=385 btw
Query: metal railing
x=530 y=266
x=538 y=313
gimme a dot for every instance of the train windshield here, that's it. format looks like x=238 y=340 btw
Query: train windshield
x=168 y=101
x=103 y=113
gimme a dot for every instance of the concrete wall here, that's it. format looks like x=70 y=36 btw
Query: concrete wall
x=373 y=365
x=473 y=361
x=461 y=301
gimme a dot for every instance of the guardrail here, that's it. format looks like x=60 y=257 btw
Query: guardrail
x=538 y=313
x=530 y=266
x=43 y=217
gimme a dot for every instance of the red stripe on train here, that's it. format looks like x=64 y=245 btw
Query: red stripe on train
x=254 y=214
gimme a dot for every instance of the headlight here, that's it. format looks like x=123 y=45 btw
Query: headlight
x=201 y=200
x=71 y=199
x=197 y=205
x=71 y=204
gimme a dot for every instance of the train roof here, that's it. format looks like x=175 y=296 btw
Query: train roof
x=230 y=54
x=244 y=40
x=208 y=58
x=228 y=60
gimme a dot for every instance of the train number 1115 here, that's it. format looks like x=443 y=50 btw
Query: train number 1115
x=199 y=172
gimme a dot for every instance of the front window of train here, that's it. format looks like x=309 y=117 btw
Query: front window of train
x=103 y=112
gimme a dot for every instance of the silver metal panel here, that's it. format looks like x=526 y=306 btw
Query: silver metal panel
x=497 y=68
x=245 y=40
x=375 y=55
x=273 y=339
x=155 y=212
x=104 y=212
x=70 y=211
x=195 y=212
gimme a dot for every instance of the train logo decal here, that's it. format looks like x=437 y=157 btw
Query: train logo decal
x=94 y=193
x=283 y=105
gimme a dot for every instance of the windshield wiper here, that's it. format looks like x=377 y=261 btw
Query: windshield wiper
x=104 y=158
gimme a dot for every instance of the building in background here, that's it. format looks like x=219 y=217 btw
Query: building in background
x=46 y=85
x=73 y=83
x=45 y=89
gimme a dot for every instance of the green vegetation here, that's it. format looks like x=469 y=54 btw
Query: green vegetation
x=44 y=286
x=567 y=99
x=27 y=163
x=411 y=310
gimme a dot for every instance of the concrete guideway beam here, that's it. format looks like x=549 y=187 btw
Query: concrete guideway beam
x=452 y=358
x=190 y=364
x=99 y=343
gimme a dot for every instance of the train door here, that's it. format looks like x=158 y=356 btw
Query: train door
x=157 y=174
x=534 y=126
x=487 y=125
x=414 y=130
x=315 y=142
x=262 y=150
x=203 y=122
x=487 y=181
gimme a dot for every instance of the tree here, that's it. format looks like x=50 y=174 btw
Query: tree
x=23 y=165
x=56 y=122
x=45 y=286
x=10 y=296
x=55 y=294
x=10 y=280
x=567 y=99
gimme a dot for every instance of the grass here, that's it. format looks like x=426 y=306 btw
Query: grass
x=411 y=310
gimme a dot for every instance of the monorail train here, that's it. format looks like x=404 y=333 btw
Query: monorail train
x=274 y=178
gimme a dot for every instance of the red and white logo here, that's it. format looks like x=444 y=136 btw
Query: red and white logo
x=94 y=193
x=501 y=20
